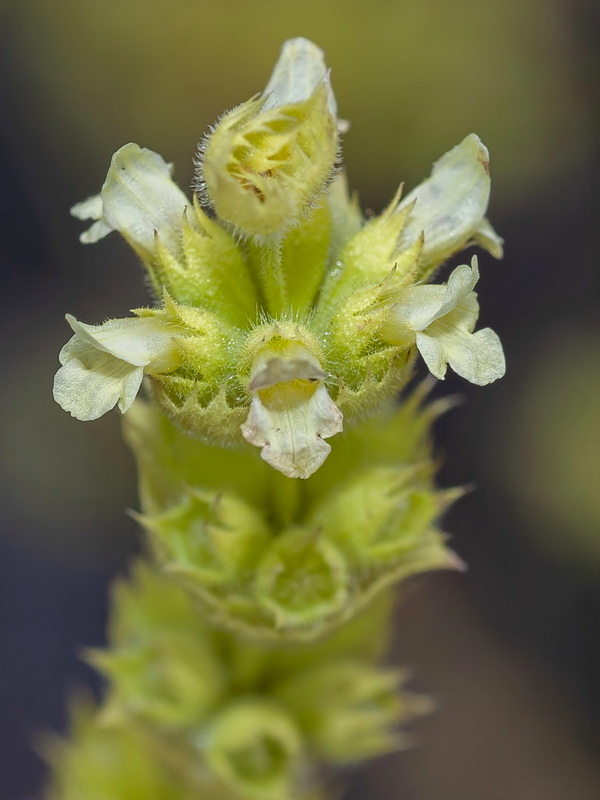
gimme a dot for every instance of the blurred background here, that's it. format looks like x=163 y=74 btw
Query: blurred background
x=507 y=648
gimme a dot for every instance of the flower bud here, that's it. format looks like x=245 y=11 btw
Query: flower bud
x=172 y=681
x=302 y=579
x=265 y=161
x=254 y=747
x=350 y=710
x=212 y=537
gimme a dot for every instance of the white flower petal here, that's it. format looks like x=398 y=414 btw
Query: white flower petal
x=138 y=341
x=440 y=321
x=92 y=382
x=289 y=422
x=414 y=309
x=460 y=284
x=434 y=354
x=141 y=199
x=478 y=357
x=463 y=316
x=282 y=370
x=138 y=199
x=95 y=232
x=91 y=208
x=418 y=307
x=486 y=237
x=103 y=365
x=301 y=66
x=450 y=204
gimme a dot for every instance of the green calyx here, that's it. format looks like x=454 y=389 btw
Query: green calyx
x=219 y=338
x=277 y=562
x=193 y=711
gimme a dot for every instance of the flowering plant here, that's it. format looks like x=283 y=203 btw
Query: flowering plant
x=281 y=319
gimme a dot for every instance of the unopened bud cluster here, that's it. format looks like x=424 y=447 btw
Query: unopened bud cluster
x=282 y=327
x=188 y=717
x=280 y=560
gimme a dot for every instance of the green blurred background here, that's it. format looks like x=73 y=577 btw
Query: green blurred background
x=507 y=648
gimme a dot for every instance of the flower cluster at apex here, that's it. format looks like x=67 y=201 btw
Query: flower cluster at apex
x=279 y=311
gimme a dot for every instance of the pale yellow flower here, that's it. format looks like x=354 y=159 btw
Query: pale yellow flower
x=291 y=413
x=140 y=200
x=440 y=320
x=103 y=365
x=449 y=207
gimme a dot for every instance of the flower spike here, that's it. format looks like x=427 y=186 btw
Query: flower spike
x=242 y=650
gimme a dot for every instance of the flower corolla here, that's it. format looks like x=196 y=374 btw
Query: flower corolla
x=291 y=413
x=104 y=365
x=440 y=320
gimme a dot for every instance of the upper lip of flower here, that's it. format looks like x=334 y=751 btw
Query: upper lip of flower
x=278 y=370
x=103 y=365
x=450 y=205
x=140 y=200
x=300 y=68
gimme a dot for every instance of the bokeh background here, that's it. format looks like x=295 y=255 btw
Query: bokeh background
x=507 y=648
